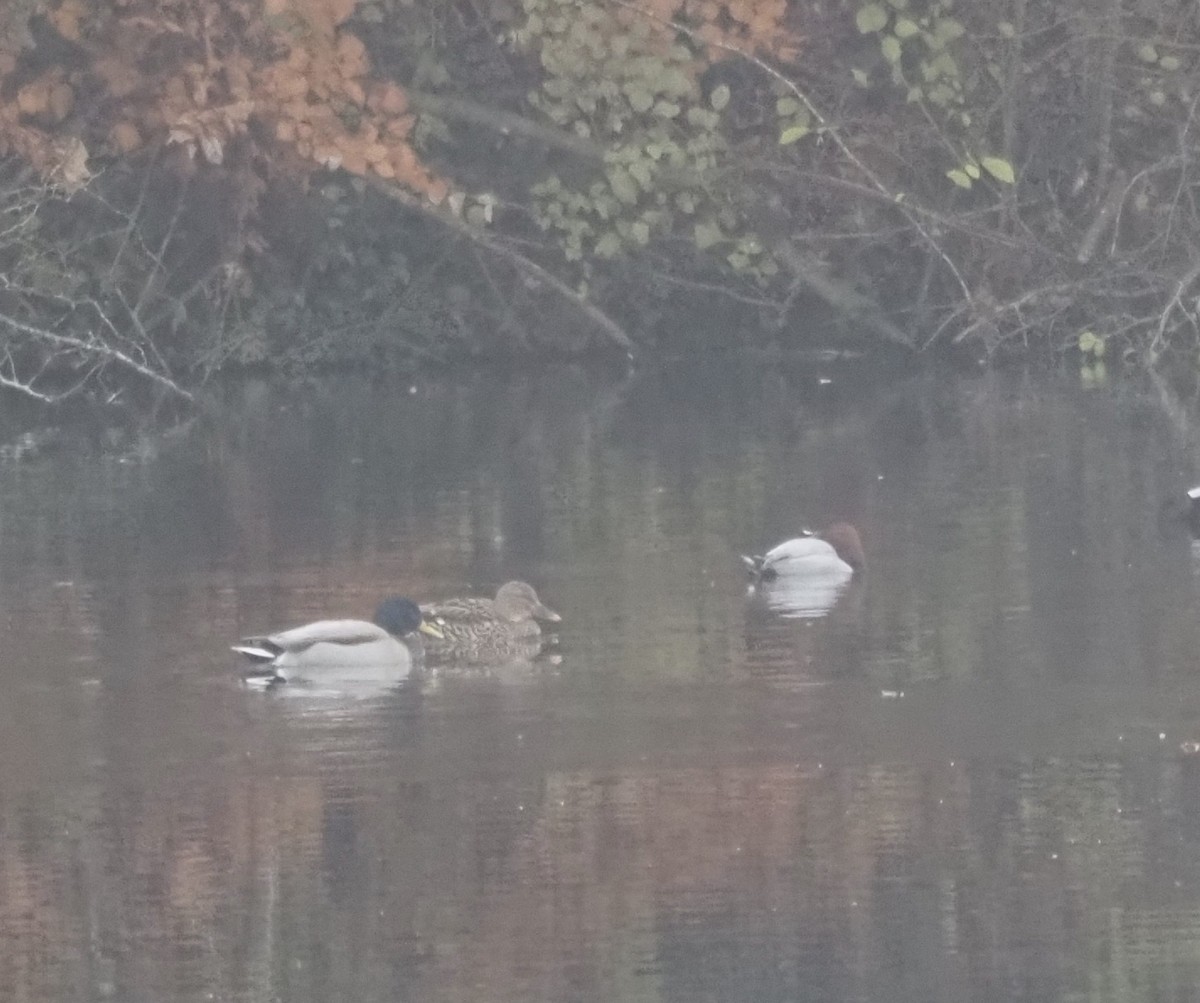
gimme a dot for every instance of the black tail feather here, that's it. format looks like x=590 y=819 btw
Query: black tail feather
x=755 y=568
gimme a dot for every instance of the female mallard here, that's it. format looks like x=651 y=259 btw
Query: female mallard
x=835 y=553
x=481 y=630
x=341 y=650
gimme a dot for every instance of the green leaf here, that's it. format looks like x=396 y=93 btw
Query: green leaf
x=623 y=185
x=640 y=232
x=947 y=30
x=1147 y=53
x=940 y=95
x=959 y=178
x=666 y=109
x=944 y=66
x=608 y=246
x=1000 y=169
x=889 y=45
x=719 y=97
x=702 y=118
x=1091 y=345
x=1169 y=63
x=674 y=83
x=905 y=27
x=1006 y=29
x=640 y=99
x=860 y=77
x=972 y=170
x=707 y=234
x=640 y=171
x=872 y=17
x=787 y=106
x=793 y=134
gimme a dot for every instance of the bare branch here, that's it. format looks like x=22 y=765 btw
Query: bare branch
x=612 y=330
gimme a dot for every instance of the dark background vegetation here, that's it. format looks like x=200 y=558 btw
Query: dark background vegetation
x=191 y=186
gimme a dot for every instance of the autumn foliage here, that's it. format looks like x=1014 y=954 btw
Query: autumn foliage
x=204 y=77
x=883 y=166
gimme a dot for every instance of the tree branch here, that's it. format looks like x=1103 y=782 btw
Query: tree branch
x=613 y=331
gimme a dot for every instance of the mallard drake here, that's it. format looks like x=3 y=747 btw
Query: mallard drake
x=342 y=650
x=835 y=552
x=481 y=630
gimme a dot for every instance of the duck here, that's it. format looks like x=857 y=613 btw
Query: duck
x=836 y=552
x=1182 y=509
x=476 y=629
x=378 y=650
x=1191 y=513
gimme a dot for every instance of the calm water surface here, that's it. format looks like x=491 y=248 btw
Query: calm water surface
x=968 y=781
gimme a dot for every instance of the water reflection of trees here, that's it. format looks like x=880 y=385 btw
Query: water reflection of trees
x=771 y=882
x=178 y=845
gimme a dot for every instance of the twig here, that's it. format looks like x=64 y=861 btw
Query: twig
x=92 y=346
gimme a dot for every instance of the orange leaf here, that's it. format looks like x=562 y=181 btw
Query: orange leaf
x=351 y=55
x=125 y=137
x=340 y=9
x=387 y=98
x=299 y=58
x=436 y=190
x=119 y=75
x=402 y=126
x=62 y=100
x=66 y=20
x=34 y=98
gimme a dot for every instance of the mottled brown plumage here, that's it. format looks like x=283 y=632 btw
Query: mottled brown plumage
x=488 y=630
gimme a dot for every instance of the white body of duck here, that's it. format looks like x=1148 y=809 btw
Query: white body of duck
x=341 y=650
x=835 y=553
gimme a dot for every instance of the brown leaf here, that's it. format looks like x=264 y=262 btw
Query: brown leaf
x=124 y=137
x=72 y=171
x=351 y=55
x=34 y=98
x=62 y=100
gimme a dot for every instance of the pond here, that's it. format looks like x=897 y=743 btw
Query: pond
x=967 y=776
